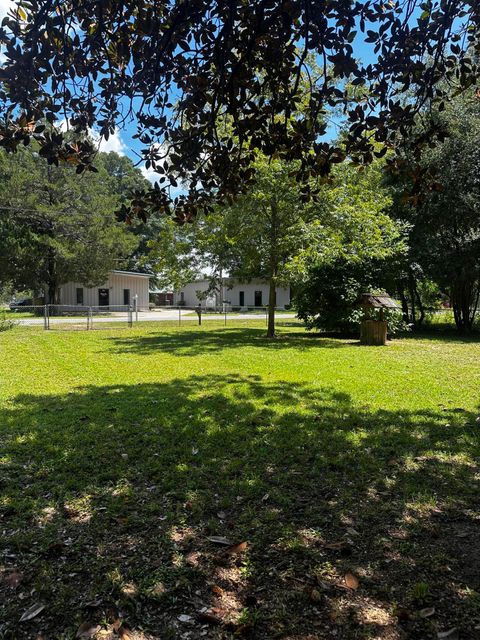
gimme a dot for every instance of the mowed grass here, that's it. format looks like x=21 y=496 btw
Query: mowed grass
x=124 y=450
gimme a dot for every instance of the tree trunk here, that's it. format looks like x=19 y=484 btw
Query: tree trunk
x=271 y=308
x=52 y=279
x=464 y=297
x=404 y=302
x=420 y=305
x=273 y=268
x=411 y=290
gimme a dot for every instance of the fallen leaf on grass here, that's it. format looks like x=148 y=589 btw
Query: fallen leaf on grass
x=184 y=618
x=426 y=613
x=208 y=618
x=124 y=633
x=87 y=630
x=218 y=591
x=32 y=612
x=237 y=548
x=451 y=634
x=351 y=581
x=220 y=540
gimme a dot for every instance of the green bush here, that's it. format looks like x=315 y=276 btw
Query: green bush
x=327 y=301
x=5 y=322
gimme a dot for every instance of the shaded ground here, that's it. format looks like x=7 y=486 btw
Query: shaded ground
x=353 y=482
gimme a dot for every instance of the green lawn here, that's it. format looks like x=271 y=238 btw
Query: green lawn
x=122 y=451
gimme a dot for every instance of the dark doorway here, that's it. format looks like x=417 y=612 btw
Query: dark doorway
x=241 y=298
x=103 y=297
x=126 y=296
x=258 y=298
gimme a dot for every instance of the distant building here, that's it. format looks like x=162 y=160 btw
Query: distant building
x=120 y=288
x=233 y=293
x=161 y=297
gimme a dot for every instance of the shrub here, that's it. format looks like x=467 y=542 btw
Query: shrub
x=5 y=322
x=327 y=300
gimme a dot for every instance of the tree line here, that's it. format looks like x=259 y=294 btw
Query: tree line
x=413 y=232
x=57 y=226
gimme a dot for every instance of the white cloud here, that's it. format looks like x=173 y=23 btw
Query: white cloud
x=5 y=6
x=114 y=142
x=149 y=174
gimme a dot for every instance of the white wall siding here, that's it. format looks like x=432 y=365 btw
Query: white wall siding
x=116 y=283
x=232 y=294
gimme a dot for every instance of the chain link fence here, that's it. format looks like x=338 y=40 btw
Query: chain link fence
x=71 y=317
x=61 y=316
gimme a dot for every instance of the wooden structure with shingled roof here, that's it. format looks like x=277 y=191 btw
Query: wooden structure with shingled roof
x=374 y=331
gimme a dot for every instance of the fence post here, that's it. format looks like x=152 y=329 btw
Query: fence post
x=45 y=317
x=89 y=318
x=135 y=306
x=179 y=316
x=130 y=316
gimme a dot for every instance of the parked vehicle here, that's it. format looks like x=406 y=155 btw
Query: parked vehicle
x=24 y=302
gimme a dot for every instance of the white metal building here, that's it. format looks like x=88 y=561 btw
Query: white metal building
x=233 y=292
x=120 y=289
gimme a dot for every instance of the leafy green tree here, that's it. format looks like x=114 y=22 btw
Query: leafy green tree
x=171 y=254
x=260 y=233
x=57 y=226
x=444 y=212
x=358 y=248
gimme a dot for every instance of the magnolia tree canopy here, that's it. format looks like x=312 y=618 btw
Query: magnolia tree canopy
x=210 y=82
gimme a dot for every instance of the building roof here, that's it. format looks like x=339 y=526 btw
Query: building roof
x=231 y=280
x=132 y=273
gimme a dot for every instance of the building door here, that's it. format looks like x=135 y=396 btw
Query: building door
x=241 y=298
x=258 y=298
x=103 y=297
x=126 y=296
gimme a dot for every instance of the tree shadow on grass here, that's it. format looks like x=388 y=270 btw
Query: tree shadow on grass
x=189 y=342
x=443 y=336
x=109 y=496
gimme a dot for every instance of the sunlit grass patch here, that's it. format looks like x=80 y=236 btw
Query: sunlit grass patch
x=125 y=452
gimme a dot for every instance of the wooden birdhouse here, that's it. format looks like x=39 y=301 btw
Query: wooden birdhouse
x=374 y=327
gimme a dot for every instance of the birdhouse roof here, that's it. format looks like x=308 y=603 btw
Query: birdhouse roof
x=377 y=301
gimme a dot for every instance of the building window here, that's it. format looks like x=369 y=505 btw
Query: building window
x=79 y=295
x=241 y=298
x=126 y=296
x=258 y=298
x=182 y=296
